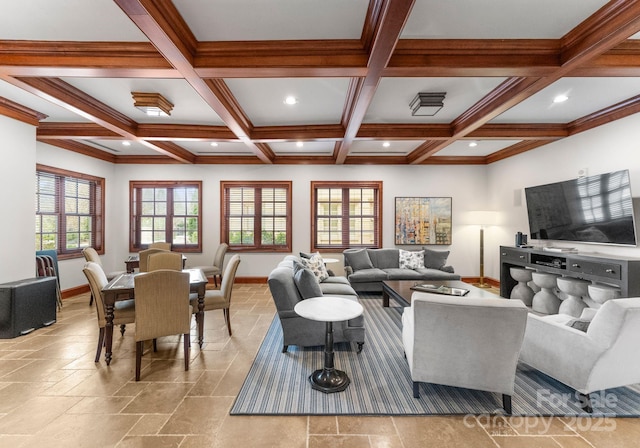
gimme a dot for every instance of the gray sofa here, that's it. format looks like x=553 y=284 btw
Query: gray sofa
x=287 y=290
x=366 y=269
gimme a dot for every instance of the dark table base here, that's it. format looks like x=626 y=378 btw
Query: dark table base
x=329 y=380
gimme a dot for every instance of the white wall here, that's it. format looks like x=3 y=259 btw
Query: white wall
x=611 y=147
x=459 y=182
x=17 y=183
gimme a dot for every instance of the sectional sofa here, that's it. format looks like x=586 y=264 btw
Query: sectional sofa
x=366 y=269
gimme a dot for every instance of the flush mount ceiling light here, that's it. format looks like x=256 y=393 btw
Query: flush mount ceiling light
x=427 y=104
x=472 y=144
x=214 y=144
x=560 y=98
x=290 y=100
x=126 y=143
x=299 y=144
x=386 y=144
x=152 y=104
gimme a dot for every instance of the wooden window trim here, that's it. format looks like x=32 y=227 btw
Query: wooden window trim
x=97 y=215
x=224 y=218
x=315 y=185
x=133 y=221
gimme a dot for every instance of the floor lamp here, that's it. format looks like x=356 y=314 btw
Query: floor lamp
x=483 y=219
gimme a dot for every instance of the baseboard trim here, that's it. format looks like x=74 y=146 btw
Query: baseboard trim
x=76 y=290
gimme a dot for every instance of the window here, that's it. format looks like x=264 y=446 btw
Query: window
x=256 y=216
x=69 y=211
x=166 y=211
x=346 y=214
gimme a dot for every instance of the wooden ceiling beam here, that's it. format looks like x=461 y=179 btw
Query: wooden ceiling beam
x=19 y=112
x=617 y=111
x=515 y=149
x=65 y=130
x=393 y=14
x=172 y=150
x=79 y=148
x=164 y=27
x=195 y=132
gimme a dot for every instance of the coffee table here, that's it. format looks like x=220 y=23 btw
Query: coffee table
x=401 y=292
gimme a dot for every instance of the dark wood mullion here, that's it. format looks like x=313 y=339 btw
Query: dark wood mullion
x=257 y=218
x=168 y=230
x=346 y=224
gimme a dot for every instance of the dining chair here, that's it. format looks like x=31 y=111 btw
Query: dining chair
x=160 y=245
x=144 y=258
x=90 y=254
x=220 y=299
x=124 y=310
x=162 y=309
x=164 y=260
x=215 y=270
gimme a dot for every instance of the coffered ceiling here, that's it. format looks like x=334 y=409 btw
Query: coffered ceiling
x=353 y=67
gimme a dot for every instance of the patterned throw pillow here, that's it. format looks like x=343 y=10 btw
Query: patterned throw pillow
x=411 y=260
x=316 y=265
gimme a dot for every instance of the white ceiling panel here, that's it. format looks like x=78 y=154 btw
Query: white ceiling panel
x=320 y=100
x=391 y=101
x=67 y=20
x=377 y=148
x=586 y=95
x=307 y=148
x=485 y=19
x=482 y=148
x=188 y=106
x=237 y=20
x=118 y=147
x=202 y=148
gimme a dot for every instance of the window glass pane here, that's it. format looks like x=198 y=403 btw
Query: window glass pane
x=179 y=208
x=158 y=237
x=179 y=194
x=267 y=208
x=160 y=194
x=148 y=194
x=47 y=204
x=159 y=224
x=73 y=223
x=146 y=224
x=70 y=187
x=50 y=224
x=323 y=194
x=85 y=239
x=84 y=206
x=248 y=208
x=161 y=208
x=84 y=190
x=70 y=205
x=147 y=208
x=336 y=194
x=336 y=209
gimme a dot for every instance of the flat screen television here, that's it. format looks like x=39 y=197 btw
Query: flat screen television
x=593 y=209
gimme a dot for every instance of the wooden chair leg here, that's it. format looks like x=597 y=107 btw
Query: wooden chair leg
x=155 y=345
x=122 y=328
x=506 y=403
x=227 y=318
x=100 y=343
x=139 y=349
x=187 y=344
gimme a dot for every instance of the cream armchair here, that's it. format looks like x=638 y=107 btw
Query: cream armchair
x=602 y=357
x=464 y=341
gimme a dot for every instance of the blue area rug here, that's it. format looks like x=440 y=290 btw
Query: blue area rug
x=277 y=383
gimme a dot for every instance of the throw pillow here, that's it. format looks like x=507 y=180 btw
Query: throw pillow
x=305 y=281
x=578 y=324
x=411 y=259
x=435 y=259
x=316 y=264
x=305 y=255
x=358 y=259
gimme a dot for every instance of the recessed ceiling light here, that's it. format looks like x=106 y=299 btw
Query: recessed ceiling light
x=290 y=100
x=126 y=143
x=560 y=98
x=386 y=144
x=299 y=144
x=214 y=144
x=472 y=144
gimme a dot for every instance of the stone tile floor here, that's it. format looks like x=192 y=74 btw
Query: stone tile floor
x=52 y=394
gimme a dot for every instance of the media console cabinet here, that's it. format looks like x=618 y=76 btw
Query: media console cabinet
x=617 y=271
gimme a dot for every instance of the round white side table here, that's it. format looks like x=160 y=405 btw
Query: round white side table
x=328 y=309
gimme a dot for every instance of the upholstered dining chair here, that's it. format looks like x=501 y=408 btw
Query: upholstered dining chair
x=160 y=245
x=220 y=299
x=124 y=310
x=215 y=270
x=162 y=309
x=90 y=254
x=144 y=258
x=164 y=260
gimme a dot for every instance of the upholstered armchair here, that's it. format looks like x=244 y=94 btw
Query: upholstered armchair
x=464 y=342
x=144 y=258
x=602 y=357
x=160 y=245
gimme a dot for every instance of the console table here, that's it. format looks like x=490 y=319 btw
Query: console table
x=618 y=271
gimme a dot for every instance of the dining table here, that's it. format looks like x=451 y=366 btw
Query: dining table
x=122 y=287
